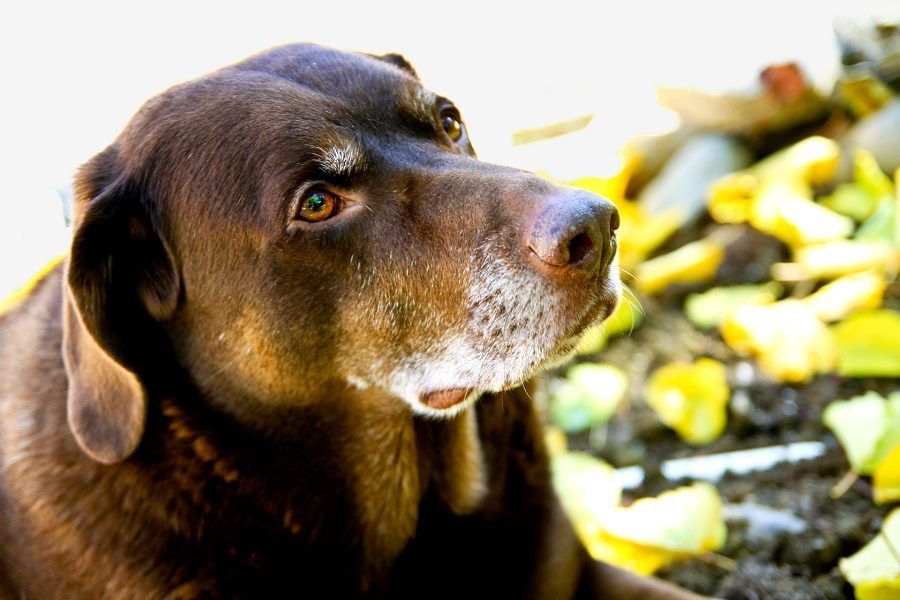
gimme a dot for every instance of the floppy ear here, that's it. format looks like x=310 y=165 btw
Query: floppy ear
x=398 y=60
x=121 y=281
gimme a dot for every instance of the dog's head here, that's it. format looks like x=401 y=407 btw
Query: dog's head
x=309 y=221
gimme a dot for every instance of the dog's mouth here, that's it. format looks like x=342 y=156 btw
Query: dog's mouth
x=443 y=399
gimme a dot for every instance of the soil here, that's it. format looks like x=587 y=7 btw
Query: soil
x=792 y=551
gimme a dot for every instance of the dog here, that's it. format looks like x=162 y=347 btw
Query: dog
x=287 y=354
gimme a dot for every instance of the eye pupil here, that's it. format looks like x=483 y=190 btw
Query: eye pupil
x=318 y=206
x=316 y=202
x=452 y=127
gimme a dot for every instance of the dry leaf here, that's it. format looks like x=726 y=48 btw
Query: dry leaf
x=868 y=427
x=842 y=257
x=847 y=294
x=874 y=571
x=691 y=398
x=708 y=309
x=654 y=532
x=588 y=397
x=790 y=342
x=886 y=478
x=692 y=263
x=868 y=344
x=810 y=161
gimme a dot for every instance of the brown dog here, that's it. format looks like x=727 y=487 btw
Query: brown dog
x=285 y=355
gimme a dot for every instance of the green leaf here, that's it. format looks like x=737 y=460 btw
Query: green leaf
x=707 y=310
x=852 y=200
x=874 y=571
x=867 y=426
x=588 y=397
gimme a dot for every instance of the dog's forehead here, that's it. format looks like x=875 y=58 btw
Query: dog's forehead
x=357 y=79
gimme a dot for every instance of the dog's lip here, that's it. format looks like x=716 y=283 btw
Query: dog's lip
x=442 y=399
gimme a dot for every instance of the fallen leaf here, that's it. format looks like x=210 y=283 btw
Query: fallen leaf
x=842 y=257
x=586 y=487
x=645 y=536
x=886 y=478
x=867 y=426
x=884 y=222
x=868 y=344
x=640 y=232
x=790 y=342
x=692 y=263
x=809 y=162
x=849 y=293
x=863 y=92
x=852 y=200
x=555 y=441
x=654 y=532
x=19 y=295
x=691 y=398
x=588 y=397
x=874 y=571
x=709 y=308
x=784 y=209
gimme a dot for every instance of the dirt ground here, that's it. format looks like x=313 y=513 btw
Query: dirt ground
x=786 y=532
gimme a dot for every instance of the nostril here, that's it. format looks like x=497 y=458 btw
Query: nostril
x=613 y=221
x=579 y=247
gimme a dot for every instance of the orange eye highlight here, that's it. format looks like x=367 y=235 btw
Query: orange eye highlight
x=318 y=205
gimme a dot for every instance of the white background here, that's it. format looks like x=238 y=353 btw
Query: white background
x=74 y=72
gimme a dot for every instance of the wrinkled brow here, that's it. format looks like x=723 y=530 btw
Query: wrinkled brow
x=342 y=158
x=423 y=103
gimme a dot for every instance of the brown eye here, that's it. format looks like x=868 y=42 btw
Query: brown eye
x=318 y=205
x=452 y=126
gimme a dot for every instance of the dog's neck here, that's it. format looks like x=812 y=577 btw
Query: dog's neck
x=365 y=448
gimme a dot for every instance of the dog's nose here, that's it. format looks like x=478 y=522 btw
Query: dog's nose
x=574 y=231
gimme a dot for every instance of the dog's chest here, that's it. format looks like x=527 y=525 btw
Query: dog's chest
x=397 y=461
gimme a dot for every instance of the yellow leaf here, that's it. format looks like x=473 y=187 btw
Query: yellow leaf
x=787 y=337
x=842 y=257
x=785 y=210
x=555 y=441
x=881 y=589
x=847 y=294
x=612 y=188
x=650 y=533
x=868 y=344
x=692 y=263
x=691 y=399
x=810 y=161
x=586 y=487
x=874 y=571
x=13 y=300
x=653 y=532
x=640 y=233
x=886 y=479
x=709 y=308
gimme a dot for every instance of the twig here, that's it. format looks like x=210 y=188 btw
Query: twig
x=841 y=487
x=718 y=560
x=891 y=547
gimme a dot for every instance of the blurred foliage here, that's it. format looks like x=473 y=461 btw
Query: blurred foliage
x=833 y=215
x=691 y=399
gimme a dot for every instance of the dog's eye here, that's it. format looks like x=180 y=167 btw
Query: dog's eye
x=318 y=205
x=452 y=126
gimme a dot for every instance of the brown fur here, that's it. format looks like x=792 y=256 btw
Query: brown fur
x=201 y=403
